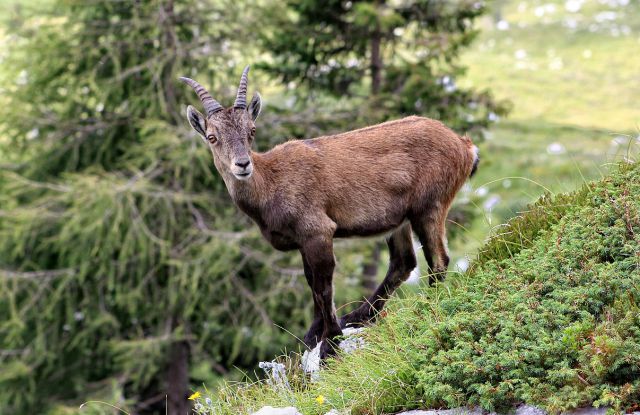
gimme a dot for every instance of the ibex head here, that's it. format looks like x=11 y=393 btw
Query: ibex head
x=228 y=131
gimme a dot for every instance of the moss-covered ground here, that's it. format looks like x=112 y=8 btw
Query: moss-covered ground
x=548 y=315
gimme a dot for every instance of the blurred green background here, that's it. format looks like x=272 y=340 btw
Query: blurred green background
x=127 y=276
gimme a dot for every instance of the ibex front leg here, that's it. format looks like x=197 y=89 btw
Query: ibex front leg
x=314 y=334
x=318 y=254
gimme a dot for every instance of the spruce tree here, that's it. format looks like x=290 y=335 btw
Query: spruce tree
x=126 y=275
x=399 y=58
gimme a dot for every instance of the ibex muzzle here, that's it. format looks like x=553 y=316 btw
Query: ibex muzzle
x=397 y=176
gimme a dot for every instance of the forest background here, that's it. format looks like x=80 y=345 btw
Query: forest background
x=127 y=275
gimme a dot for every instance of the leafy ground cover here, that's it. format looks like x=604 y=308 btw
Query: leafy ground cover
x=548 y=315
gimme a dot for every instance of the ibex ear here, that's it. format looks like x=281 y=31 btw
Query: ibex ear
x=197 y=121
x=255 y=106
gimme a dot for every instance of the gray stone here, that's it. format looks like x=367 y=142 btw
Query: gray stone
x=270 y=410
x=455 y=411
x=520 y=410
x=589 y=411
x=529 y=410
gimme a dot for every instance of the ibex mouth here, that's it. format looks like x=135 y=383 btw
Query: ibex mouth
x=243 y=176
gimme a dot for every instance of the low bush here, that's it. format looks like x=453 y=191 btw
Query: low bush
x=548 y=315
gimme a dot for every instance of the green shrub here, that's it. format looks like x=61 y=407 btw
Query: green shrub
x=548 y=316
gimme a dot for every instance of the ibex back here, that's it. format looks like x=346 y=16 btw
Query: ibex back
x=396 y=176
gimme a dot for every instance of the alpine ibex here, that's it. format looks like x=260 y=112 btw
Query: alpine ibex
x=391 y=177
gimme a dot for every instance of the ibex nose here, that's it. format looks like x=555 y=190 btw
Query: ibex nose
x=243 y=163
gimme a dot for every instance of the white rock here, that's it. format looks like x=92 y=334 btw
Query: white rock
x=311 y=358
x=270 y=410
x=351 y=342
x=311 y=362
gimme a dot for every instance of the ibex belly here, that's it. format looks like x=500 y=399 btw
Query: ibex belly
x=370 y=219
x=279 y=240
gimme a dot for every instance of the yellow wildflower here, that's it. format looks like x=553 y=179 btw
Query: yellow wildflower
x=320 y=399
x=194 y=396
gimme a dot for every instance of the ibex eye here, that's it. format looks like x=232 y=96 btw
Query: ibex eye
x=212 y=138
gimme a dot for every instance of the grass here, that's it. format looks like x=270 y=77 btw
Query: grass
x=582 y=76
x=574 y=99
x=548 y=316
x=517 y=168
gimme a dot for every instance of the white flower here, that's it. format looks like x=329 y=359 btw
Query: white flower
x=33 y=134
x=556 y=64
x=490 y=203
x=462 y=264
x=573 y=6
x=606 y=16
x=556 y=148
x=502 y=25
x=23 y=77
x=482 y=191
x=521 y=54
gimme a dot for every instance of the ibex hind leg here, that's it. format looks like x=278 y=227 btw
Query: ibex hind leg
x=430 y=228
x=402 y=262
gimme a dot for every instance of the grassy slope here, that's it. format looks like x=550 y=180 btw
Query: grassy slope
x=584 y=104
x=549 y=316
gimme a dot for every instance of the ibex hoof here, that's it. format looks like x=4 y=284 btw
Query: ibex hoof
x=327 y=349
x=437 y=276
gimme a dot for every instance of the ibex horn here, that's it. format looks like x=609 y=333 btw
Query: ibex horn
x=241 y=98
x=211 y=106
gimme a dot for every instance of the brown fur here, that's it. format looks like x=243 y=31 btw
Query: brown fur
x=360 y=183
x=395 y=176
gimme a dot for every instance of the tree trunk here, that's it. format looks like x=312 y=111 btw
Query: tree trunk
x=167 y=21
x=376 y=60
x=178 y=379
x=370 y=270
